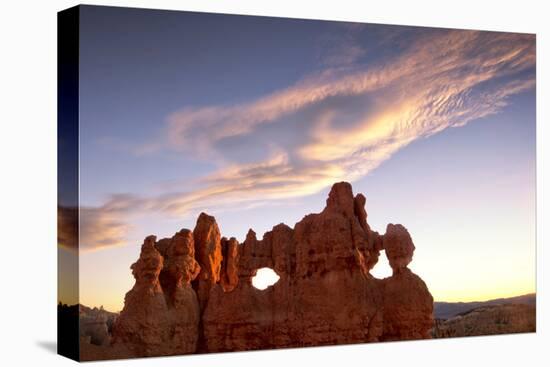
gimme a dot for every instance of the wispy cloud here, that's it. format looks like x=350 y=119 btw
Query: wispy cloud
x=103 y=227
x=98 y=228
x=443 y=79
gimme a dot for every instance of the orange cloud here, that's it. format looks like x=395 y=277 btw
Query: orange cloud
x=275 y=178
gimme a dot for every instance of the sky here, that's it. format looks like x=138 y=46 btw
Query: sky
x=252 y=119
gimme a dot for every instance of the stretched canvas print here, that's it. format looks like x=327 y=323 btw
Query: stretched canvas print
x=216 y=171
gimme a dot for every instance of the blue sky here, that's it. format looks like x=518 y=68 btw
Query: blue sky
x=251 y=119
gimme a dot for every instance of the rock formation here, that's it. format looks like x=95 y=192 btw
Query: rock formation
x=408 y=305
x=325 y=294
x=161 y=313
x=209 y=255
x=142 y=325
x=229 y=276
x=399 y=247
x=95 y=324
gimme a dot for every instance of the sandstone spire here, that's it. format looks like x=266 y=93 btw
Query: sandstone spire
x=208 y=252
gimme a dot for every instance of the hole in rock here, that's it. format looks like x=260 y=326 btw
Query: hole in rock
x=382 y=269
x=264 y=278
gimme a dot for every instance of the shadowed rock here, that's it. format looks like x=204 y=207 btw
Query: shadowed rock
x=143 y=325
x=230 y=257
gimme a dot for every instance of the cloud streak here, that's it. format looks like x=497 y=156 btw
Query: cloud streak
x=448 y=63
x=90 y=228
x=443 y=79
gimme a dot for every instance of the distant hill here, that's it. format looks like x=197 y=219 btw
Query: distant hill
x=488 y=320
x=447 y=310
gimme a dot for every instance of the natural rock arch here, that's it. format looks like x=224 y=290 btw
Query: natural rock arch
x=264 y=278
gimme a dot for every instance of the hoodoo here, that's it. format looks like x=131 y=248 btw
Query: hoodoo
x=194 y=292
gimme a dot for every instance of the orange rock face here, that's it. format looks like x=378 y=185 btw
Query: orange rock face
x=325 y=294
x=208 y=251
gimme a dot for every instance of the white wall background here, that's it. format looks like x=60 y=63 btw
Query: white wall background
x=28 y=181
